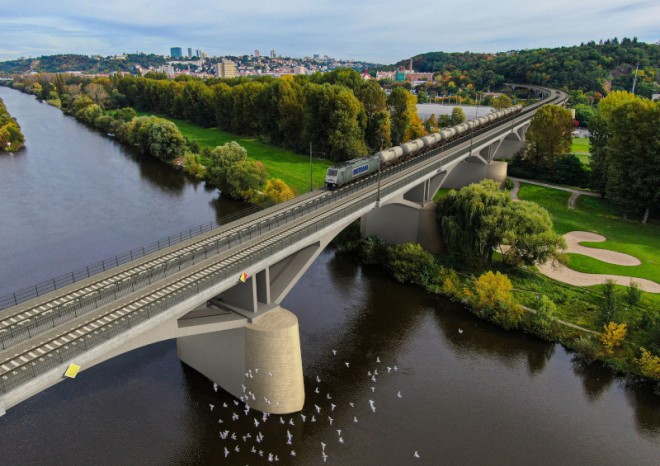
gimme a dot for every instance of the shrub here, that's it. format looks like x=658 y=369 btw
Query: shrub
x=585 y=345
x=609 y=308
x=373 y=250
x=410 y=263
x=649 y=364
x=613 y=336
x=633 y=293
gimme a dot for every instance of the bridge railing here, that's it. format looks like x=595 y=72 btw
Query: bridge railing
x=27 y=328
x=67 y=279
x=103 y=333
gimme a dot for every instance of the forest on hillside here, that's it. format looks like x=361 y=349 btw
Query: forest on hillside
x=597 y=67
x=85 y=63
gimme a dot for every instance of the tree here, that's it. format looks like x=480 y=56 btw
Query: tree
x=431 y=124
x=377 y=133
x=493 y=289
x=165 y=140
x=278 y=191
x=529 y=235
x=548 y=137
x=410 y=263
x=232 y=172
x=405 y=122
x=471 y=219
x=501 y=101
x=613 y=336
x=609 y=308
x=98 y=93
x=633 y=154
x=457 y=116
x=649 y=364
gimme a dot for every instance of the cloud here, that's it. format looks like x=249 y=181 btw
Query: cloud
x=380 y=31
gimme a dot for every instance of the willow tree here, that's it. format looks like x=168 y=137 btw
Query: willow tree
x=480 y=217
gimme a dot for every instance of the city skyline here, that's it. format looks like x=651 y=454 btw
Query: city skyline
x=367 y=31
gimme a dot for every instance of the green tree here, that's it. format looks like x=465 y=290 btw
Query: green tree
x=431 y=124
x=548 y=137
x=405 y=122
x=633 y=154
x=232 y=172
x=471 y=219
x=410 y=263
x=501 y=101
x=457 y=116
x=529 y=235
x=165 y=140
x=610 y=308
x=374 y=100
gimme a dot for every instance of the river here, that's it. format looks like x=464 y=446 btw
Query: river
x=451 y=388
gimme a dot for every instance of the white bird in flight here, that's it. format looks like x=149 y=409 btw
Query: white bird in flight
x=211 y=406
x=377 y=359
x=399 y=394
x=373 y=406
x=334 y=352
x=332 y=406
x=215 y=386
x=460 y=330
x=226 y=452
x=416 y=455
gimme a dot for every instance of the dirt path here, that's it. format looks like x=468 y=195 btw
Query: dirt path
x=573 y=277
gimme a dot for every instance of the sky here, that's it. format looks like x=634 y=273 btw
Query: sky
x=377 y=31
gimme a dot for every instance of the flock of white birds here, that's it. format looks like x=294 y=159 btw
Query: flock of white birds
x=322 y=412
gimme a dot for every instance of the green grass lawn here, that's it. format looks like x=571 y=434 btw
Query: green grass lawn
x=290 y=167
x=596 y=215
x=580 y=146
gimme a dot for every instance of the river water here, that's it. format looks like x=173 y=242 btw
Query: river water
x=449 y=387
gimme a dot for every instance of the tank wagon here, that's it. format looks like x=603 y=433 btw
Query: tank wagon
x=345 y=172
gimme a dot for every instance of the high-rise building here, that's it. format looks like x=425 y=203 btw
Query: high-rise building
x=257 y=53
x=225 y=69
x=273 y=54
x=176 y=52
x=198 y=53
x=190 y=52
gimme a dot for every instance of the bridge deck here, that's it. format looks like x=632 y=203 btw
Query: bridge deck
x=47 y=331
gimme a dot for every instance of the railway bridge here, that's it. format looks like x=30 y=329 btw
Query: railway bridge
x=219 y=292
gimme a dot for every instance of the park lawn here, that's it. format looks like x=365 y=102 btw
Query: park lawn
x=580 y=146
x=583 y=158
x=280 y=163
x=597 y=215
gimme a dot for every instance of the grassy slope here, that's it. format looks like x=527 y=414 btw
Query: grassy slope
x=290 y=167
x=594 y=214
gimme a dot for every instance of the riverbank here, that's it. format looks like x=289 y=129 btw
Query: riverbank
x=11 y=137
x=516 y=298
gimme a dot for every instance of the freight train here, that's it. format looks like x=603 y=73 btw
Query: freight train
x=351 y=170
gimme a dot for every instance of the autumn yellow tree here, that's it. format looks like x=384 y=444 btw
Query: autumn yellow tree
x=278 y=191
x=649 y=364
x=493 y=289
x=612 y=336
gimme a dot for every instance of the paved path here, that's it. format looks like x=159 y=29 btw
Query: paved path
x=573 y=277
x=571 y=202
x=515 y=190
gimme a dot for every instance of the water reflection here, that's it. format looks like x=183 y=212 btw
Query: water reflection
x=596 y=379
x=646 y=407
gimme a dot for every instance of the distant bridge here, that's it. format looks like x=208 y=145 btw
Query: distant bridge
x=225 y=322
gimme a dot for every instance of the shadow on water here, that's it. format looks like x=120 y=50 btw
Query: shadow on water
x=470 y=336
x=595 y=378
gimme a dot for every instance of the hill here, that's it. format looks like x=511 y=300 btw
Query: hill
x=599 y=67
x=85 y=63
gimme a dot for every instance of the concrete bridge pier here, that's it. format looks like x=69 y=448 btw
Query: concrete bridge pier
x=260 y=363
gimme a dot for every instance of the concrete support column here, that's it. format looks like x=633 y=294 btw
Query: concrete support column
x=264 y=357
x=274 y=363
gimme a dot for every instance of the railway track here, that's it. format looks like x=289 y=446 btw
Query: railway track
x=228 y=254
